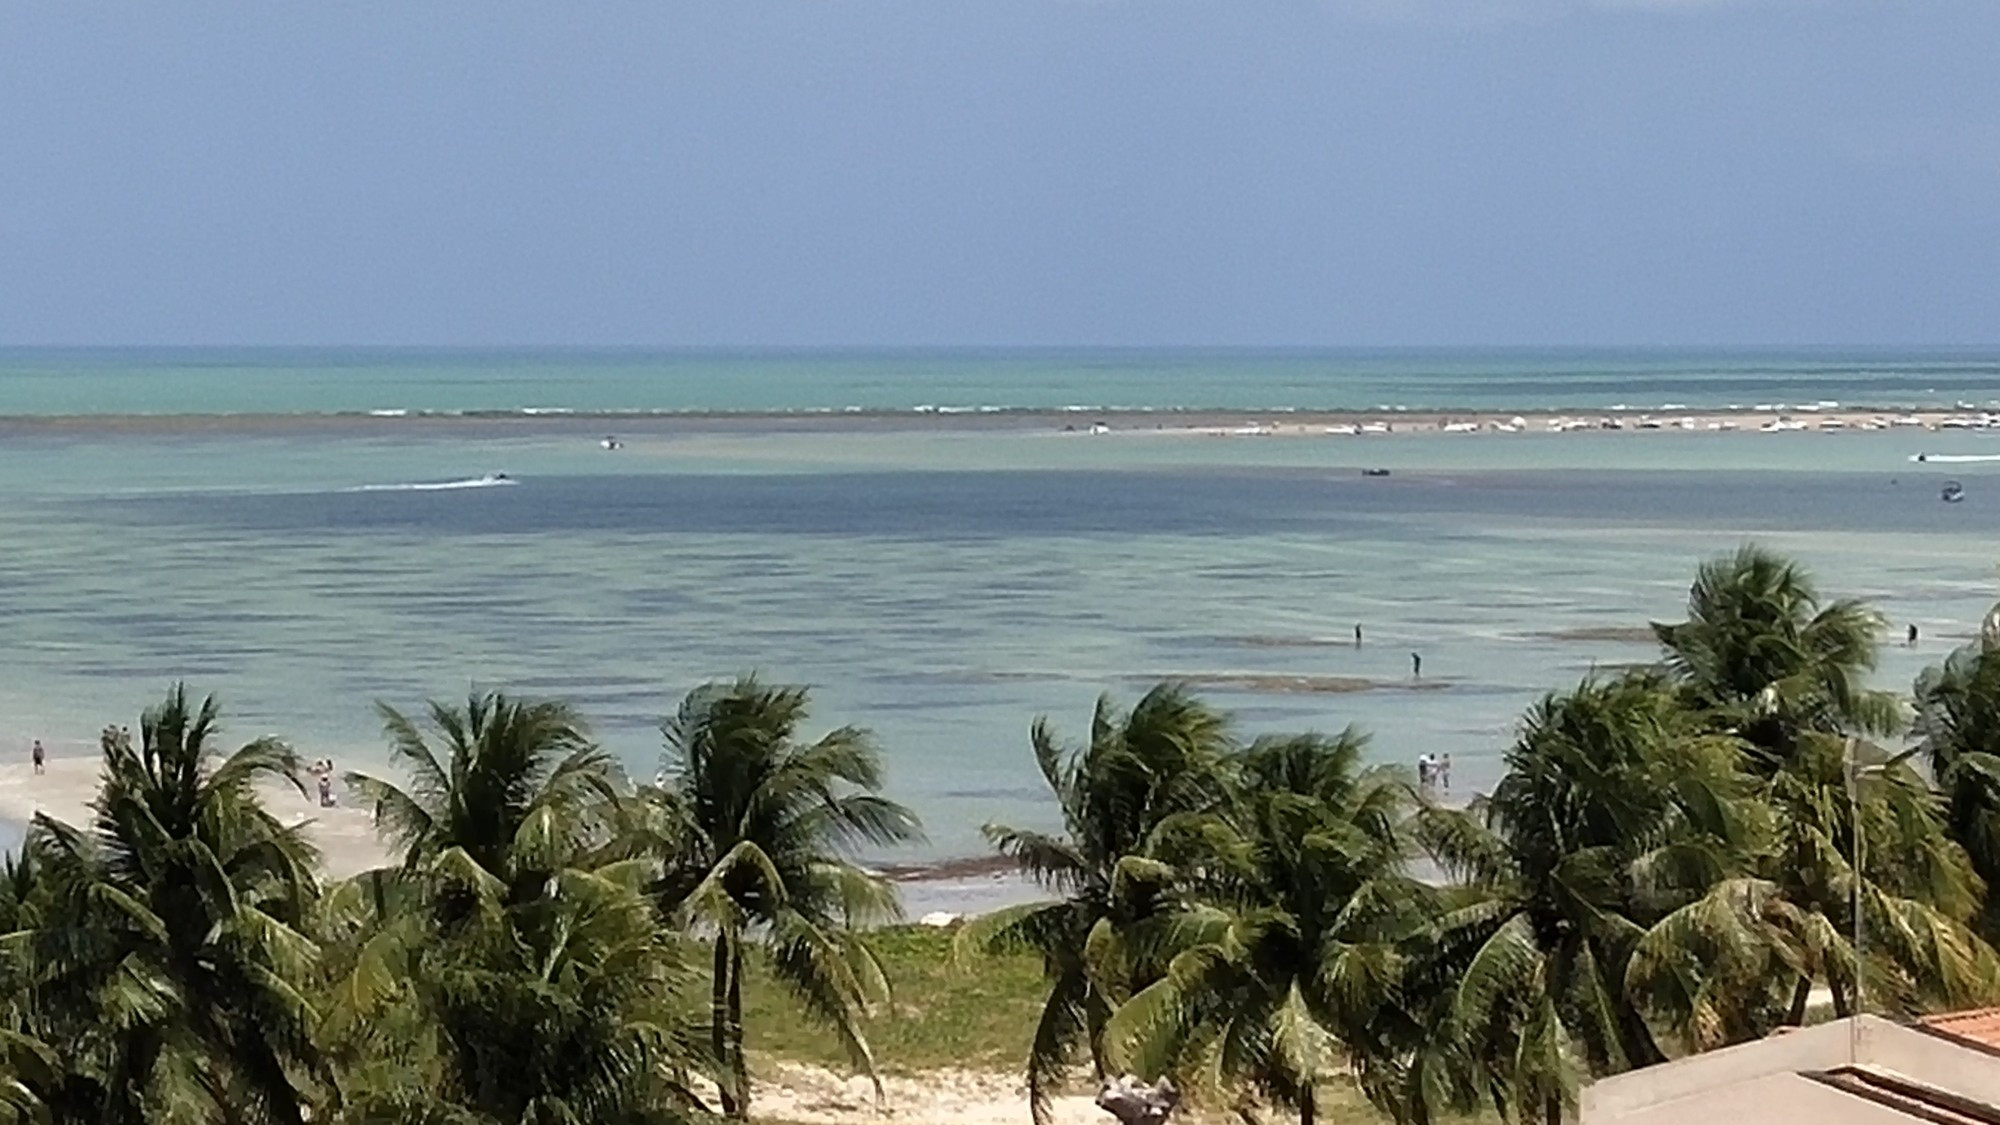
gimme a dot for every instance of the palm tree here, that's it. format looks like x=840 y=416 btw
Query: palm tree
x=1729 y=966
x=513 y=959
x=1958 y=731
x=1761 y=652
x=758 y=831
x=560 y=1010
x=1765 y=659
x=1615 y=808
x=1168 y=756
x=168 y=959
x=1297 y=954
x=515 y=789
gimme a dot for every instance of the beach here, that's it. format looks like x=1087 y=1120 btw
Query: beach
x=344 y=836
x=348 y=844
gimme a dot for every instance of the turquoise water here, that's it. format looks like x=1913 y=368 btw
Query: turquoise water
x=941 y=587
x=180 y=381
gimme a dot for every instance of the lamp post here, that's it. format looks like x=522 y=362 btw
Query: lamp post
x=1854 y=896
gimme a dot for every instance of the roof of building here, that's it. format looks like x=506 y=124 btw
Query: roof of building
x=1975 y=1025
x=1867 y=1071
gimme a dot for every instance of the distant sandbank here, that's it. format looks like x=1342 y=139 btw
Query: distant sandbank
x=1086 y=421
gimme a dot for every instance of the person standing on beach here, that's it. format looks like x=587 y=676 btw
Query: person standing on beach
x=38 y=755
x=1426 y=772
x=1357 y=634
x=1444 y=772
x=1416 y=666
x=1913 y=635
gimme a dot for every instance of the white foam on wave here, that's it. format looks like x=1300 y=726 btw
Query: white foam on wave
x=490 y=480
x=1952 y=458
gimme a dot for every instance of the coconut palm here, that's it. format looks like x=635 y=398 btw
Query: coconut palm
x=563 y=1009
x=1958 y=730
x=512 y=790
x=168 y=960
x=1615 y=808
x=512 y=969
x=1296 y=953
x=1747 y=955
x=758 y=832
x=1167 y=756
x=1764 y=654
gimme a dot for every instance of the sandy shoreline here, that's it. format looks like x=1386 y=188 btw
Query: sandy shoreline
x=346 y=839
x=1825 y=417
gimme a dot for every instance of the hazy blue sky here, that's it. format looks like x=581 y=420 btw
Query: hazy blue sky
x=1000 y=171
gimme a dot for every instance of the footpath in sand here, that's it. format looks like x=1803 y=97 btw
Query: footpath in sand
x=345 y=836
x=811 y=1095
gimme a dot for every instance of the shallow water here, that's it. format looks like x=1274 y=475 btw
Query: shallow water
x=941 y=588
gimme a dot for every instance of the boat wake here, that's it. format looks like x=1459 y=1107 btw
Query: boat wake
x=1952 y=458
x=490 y=480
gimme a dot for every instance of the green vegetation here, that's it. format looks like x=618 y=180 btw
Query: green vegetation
x=1676 y=858
x=943 y=1012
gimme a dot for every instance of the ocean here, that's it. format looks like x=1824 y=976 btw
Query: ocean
x=269 y=526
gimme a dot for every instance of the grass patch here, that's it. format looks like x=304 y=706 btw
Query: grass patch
x=979 y=1015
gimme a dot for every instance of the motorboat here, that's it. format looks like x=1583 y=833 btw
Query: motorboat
x=1952 y=492
x=1374 y=472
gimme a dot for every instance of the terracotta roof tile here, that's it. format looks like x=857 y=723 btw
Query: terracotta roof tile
x=1976 y=1025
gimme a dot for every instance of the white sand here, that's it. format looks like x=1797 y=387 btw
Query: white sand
x=1761 y=420
x=812 y=1095
x=345 y=836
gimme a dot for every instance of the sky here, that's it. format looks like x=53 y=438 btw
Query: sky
x=999 y=172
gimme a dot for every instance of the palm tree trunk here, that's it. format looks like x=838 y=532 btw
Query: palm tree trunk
x=1801 y=996
x=1307 y=1110
x=719 y=1021
x=1552 y=1111
x=1095 y=1014
x=737 y=1063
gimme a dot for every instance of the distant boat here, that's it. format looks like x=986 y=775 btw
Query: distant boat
x=1374 y=472
x=1953 y=492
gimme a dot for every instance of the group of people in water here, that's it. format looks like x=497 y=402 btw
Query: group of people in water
x=1416 y=658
